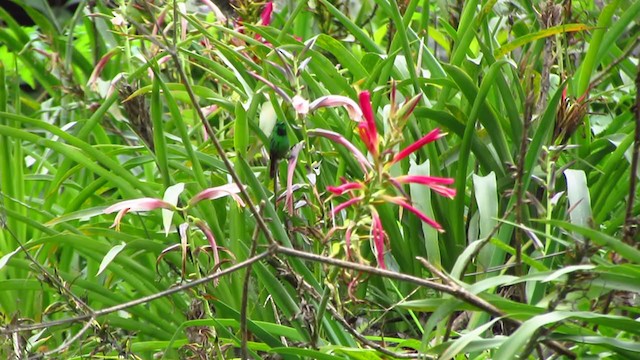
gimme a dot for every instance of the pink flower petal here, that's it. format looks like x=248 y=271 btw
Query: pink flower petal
x=291 y=168
x=352 y=108
x=430 y=137
x=118 y=219
x=218 y=192
x=142 y=204
x=339 y=190
x=364 y=163
x=210 y=238
x=402 y=202
x=347 y=240
x=300 y=104
x=377 y=234
x=435 y=183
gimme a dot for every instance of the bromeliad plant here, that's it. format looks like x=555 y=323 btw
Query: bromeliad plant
x=377 y=186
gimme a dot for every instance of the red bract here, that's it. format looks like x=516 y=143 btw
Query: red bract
x=432 y=136
x=265 y=16
x=405 y=204
x=367 y=127
x=435 y=183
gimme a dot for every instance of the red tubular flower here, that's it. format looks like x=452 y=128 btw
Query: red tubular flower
x=432 y=136
x=339 y=190
x=367 y=127
x=435 y=183
x=377 y=234
x=405 y=204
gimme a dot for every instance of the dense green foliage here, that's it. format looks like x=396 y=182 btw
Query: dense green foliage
x=164 y=109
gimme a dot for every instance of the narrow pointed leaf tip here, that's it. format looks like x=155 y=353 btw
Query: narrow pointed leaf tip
x=432 y=136
x=218 y=192
x=301 y=105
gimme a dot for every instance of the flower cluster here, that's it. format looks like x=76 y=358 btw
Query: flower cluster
x=168 y=204
x=377 y=186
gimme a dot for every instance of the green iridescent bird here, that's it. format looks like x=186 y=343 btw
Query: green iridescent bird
x=278 y=146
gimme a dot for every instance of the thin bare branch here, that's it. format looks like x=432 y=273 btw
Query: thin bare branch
x=143 y=300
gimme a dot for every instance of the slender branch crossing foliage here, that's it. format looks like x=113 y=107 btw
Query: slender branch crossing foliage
x=365 y=179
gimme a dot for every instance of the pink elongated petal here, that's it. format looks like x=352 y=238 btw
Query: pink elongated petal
x=434 y=135
x=377 y=234
x=435 y=183
x=273 y=86
x=333 y=136
x=218 y=192
x=424 y=180
x=291 y=168
x=345 y=205
x=265 y=16
x=354 y=111
x=212 y=242
x=347 y=240
x=141 y=204
x=367 y=128
x=118 y=219
x=301 y=105
x=405 y=204
x=339 y=190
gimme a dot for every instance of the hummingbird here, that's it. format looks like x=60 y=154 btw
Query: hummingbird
x=278 y=147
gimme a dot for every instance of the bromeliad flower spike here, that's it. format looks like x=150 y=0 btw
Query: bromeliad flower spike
x=378 y=186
